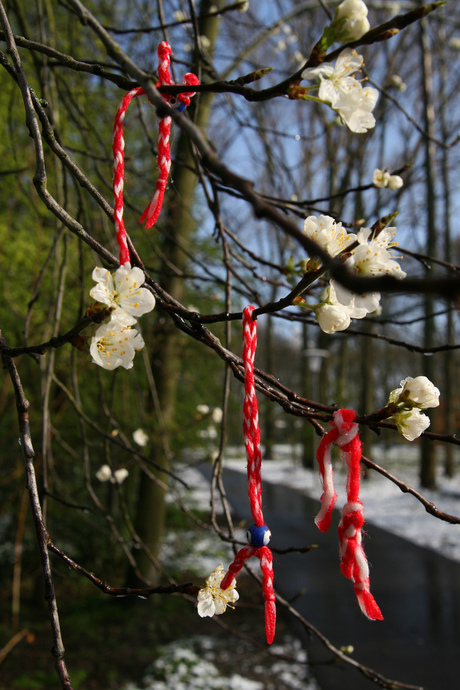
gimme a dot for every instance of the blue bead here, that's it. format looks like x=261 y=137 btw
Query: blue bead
x=177 y=104
x=258 y=536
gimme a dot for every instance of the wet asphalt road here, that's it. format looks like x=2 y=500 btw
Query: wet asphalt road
x=417 y=590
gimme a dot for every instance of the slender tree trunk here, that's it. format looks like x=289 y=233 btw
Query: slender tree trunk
x=308 y=434
x=367 y=383
x=428 y=459
x=269 y=417
x=449 y=387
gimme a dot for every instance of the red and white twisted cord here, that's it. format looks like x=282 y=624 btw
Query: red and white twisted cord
x=354 y=565
x=266 y=566
x=259 y=534
x=152 y=211
x=251 y=418
x=118 y=149
x=234 y=568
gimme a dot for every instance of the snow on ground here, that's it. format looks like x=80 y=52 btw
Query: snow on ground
x=202 y=662
x=194 y=663
x=384 y=503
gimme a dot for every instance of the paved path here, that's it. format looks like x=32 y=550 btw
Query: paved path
x=417 y=590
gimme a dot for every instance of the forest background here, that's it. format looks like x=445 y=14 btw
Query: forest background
x=248 y=166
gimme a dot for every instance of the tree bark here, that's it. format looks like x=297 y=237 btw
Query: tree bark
x=428 y=459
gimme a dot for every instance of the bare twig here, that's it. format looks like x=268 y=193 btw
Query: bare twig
x=22 y=405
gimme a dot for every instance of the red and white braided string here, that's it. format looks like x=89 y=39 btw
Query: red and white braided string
x=118 y=149
x=264 y=554
x=354 y=565
x=251 y=417
x=152 y=211
x=254 y=457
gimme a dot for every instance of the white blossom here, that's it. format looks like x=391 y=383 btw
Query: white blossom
x=333 y=315
x=120 y=475
x=336 y=81
x=104 y=473
x=358 y=305
x=328 y=234
x=411 y=423
x=123 y=292
x=355 y=109
x=345 y=94
x=332 y=318
x=382 y=178
x=217 y=415
x=212 y=431
x=412 y=396
x=115 y=345
x=372 y=256
x=140 y=437
x=212 y=600
x=418 y=392
x=203 y=409
x=356 y=23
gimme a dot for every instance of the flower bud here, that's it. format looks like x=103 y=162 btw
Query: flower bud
x=356 y=24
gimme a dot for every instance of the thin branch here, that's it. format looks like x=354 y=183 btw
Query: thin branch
x=22 y=406
x=141 y=593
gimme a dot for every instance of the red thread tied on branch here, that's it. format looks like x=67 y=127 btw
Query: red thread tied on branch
x=179 y=102
x=354 y=565
x=259 y=534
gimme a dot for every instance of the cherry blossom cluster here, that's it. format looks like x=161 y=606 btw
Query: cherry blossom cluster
x=370 y=255
x=337 y=86
x=115 y=343
x=343 y=92
x=412 y=396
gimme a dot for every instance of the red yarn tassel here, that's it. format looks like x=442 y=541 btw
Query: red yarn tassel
x=354 y=565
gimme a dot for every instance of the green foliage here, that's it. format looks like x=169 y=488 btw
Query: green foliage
x=35 y=680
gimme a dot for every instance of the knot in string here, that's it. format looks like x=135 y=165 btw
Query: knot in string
x=346 y=428
x=354 y=565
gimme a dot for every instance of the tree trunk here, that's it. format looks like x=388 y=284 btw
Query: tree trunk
x=428 y=459
x=449 y=386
